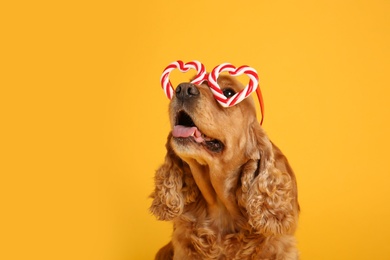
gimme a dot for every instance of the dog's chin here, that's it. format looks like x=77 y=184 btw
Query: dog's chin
x=190 y=144
x=189 y=148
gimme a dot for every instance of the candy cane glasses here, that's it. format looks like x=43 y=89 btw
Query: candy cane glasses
x=212 y=78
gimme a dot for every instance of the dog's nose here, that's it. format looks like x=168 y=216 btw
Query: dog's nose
x=186 y=91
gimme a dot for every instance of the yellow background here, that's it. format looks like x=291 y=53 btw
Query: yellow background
x=84 y=120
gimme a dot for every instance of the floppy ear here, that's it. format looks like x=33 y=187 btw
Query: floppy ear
x=174 y=187
x=268 y=189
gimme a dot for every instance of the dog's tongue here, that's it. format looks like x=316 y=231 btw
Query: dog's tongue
x=184 y=131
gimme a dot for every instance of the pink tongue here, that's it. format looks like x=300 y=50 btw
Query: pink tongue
x=183 y=131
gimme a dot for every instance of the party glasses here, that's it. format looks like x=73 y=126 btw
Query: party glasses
x=212 y=78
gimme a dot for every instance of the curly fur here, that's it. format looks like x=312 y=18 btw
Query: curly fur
x=238 y=203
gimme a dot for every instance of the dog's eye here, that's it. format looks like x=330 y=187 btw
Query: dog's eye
x=228 y=92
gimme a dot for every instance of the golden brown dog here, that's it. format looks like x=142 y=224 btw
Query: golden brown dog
x=229 y=191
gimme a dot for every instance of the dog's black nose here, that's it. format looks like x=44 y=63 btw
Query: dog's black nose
x=186 y=91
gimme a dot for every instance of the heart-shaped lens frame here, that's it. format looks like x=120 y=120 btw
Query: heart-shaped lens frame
x=233 y=71
x=183 y=67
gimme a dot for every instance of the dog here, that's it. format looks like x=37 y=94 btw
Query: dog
x=229 y=191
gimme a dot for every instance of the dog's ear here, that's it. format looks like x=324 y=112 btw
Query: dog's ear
x=174 y=187
x=268 y=190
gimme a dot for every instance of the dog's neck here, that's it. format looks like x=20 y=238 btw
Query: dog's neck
x=217 y=189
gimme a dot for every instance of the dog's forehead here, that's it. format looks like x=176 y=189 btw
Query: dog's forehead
x=226 y=81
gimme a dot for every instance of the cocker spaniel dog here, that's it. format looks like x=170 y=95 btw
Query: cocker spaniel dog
x=229 y=191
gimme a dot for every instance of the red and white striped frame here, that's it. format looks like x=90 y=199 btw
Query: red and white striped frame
x=212 y=79
x=233 y=71
x=183 y=67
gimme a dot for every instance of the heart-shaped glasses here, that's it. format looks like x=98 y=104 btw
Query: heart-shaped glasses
x=212 y=79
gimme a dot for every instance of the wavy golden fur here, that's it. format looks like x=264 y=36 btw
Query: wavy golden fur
x=229 y=191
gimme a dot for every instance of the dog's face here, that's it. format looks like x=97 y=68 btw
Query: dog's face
x=205 y=131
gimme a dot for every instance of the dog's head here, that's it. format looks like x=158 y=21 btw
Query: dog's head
x=204 y=130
